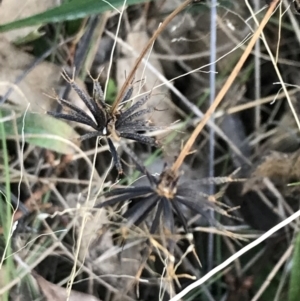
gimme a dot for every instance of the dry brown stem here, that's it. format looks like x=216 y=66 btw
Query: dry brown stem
x=225 y=88
x=146 y=48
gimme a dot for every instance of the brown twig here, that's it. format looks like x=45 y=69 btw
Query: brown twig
x=147 y=47
x=225 y=88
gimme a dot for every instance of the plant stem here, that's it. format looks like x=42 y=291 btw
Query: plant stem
x=225 y=88
x=162 y=26
x=5 y=213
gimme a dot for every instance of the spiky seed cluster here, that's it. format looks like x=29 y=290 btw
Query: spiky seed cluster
x=166 y=195
x=123 y=123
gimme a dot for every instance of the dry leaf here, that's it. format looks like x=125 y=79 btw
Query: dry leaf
x=281 y=168
x=12 y=10
x=97 y=243
x=53 y=292
x=41 y=79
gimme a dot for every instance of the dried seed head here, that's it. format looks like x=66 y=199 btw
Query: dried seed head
x=167 y=184
x=127 y=123
x=166 y=196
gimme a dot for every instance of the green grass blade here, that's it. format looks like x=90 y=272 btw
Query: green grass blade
x=294 y=288
x=5 y=215
x=70 y=10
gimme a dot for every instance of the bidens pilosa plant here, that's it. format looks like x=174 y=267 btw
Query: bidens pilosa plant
x=162 y=199
x=165 y=196
x=113 y=124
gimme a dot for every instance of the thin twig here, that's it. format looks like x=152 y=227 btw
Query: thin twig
x=147 y=47
x=283 y=85
x=113 y=50
x=273 y=273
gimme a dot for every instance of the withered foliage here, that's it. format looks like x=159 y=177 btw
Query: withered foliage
x=128 y=123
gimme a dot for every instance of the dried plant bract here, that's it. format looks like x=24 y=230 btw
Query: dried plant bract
x=166 y=196
x=128 y=123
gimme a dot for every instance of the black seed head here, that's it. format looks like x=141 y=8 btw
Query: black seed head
x=127 y=123
x=166 y=196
